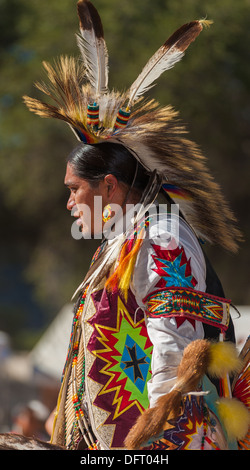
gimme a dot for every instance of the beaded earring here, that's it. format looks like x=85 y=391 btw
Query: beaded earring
x=106 y=215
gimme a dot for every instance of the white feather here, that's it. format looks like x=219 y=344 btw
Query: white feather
x=164 y=59
x=95 y=56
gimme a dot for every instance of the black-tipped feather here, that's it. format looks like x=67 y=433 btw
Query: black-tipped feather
x=93 y=46
x=164 y=59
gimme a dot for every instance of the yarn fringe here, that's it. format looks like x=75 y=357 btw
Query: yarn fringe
x=121 y=277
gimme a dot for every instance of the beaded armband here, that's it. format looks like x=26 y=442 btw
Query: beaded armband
x=188 y=303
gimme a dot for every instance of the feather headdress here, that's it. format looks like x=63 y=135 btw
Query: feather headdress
x=153 y=134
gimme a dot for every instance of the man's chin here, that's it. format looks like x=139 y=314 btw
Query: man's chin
x=91 y=234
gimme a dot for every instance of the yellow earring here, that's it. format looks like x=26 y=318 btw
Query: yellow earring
x=107 y=211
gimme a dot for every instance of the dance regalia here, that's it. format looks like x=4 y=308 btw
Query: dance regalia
x=132 y=343
x=146 y=302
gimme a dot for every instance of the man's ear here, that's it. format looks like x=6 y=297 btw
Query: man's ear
x=111 y=185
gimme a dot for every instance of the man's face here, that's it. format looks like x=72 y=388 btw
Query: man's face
x=83 y=203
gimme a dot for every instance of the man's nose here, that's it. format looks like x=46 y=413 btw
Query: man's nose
x=70 y=203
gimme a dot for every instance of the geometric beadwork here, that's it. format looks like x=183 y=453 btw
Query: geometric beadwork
x=188 y=303
x=135 y=363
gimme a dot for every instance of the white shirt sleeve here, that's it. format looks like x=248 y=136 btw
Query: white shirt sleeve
x=184 y=267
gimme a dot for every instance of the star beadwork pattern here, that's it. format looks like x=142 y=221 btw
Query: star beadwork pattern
x=122 y=352
x=173 y=267
x=186 y=432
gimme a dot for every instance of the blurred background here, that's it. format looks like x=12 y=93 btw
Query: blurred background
x=41 y=264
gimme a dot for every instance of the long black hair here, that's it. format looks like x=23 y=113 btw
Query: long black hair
x=94 y=162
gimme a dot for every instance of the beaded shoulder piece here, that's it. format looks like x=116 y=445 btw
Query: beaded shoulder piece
x=188 y=303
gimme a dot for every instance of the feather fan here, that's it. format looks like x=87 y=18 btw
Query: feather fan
x=93 y=47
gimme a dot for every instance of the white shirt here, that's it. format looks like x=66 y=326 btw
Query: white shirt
x=151 y=270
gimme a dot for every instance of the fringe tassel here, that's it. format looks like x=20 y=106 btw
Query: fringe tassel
x=120 y=279
x=235 y=417
x=224 y=359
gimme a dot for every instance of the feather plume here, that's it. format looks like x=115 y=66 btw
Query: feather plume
x=69 y=97
x=180 y=162
x=165 y=58
x=64 y=89
x=93 y=47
